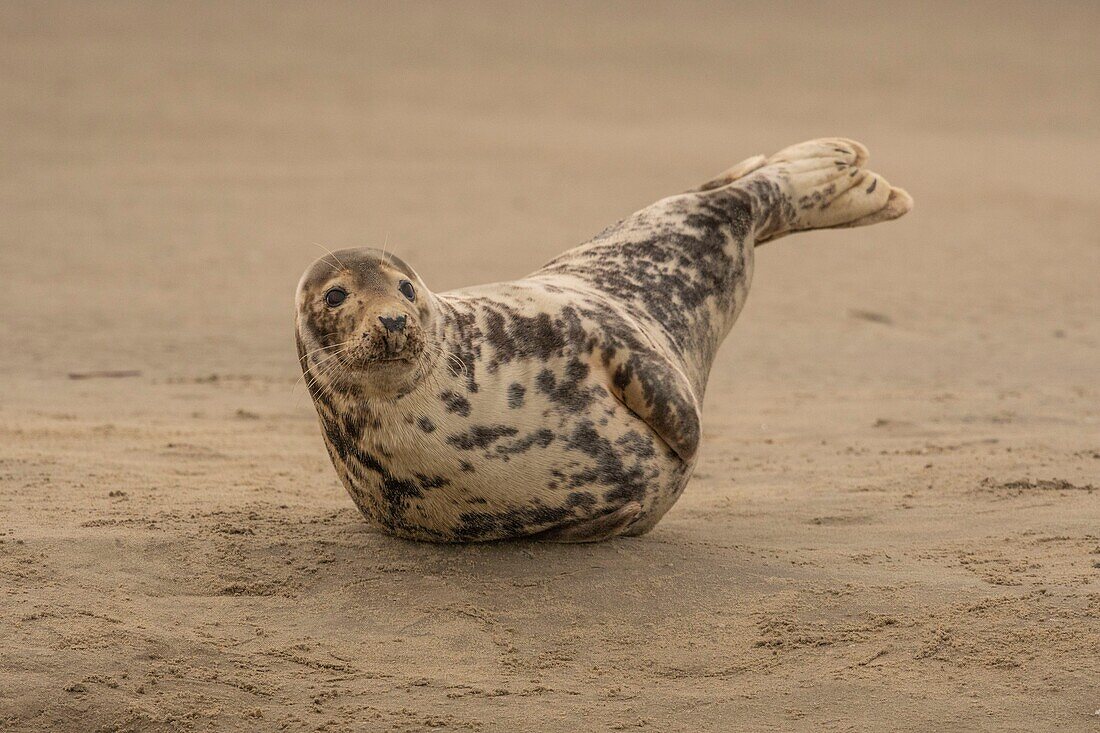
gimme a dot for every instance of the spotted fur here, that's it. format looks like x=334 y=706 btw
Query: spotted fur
x=564 y=405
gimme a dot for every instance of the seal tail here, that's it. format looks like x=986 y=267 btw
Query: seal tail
x=819 y=184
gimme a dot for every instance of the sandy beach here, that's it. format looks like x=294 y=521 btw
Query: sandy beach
x=895 y=521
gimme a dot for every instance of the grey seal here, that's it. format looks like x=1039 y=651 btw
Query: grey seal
x=564 y=405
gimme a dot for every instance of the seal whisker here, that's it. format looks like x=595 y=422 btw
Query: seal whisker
x=331 y=346
x=342 y=265
x=454 y=361
x=435 y=378
x=320 y=379
x=327 y=365
x=450 y=361
x=304 y=359
x=433 y=351
x=321 y=348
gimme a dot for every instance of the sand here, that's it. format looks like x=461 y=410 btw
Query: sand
x=895 y=522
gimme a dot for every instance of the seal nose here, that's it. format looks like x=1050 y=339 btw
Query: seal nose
x=393 y=325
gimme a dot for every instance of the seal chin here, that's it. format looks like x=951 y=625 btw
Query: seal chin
x=388 y=362
x=385 y=375
x=369 y=359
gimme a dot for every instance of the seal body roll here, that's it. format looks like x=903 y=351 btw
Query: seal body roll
x=564 y=405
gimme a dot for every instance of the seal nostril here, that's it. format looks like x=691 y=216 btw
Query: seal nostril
x=393 y=324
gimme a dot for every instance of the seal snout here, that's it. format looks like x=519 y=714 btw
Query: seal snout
x=393 y=325
x=392 y=338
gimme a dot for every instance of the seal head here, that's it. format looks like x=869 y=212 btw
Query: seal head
x=365 y=320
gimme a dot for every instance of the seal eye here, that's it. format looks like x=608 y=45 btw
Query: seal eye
x=335 y=297
x=407 y=289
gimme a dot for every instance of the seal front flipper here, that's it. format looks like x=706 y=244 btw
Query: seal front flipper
x=597 y=529
x=657 y=392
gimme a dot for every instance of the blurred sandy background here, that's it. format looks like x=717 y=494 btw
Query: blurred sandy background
x=895 y=524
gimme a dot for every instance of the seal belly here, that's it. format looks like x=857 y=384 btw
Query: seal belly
x=540 y=445
x=576 y=452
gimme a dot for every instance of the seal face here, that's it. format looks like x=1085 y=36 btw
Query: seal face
x=564 y=405
x=361 y=323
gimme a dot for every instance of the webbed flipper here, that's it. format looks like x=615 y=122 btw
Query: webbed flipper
x=655 y=390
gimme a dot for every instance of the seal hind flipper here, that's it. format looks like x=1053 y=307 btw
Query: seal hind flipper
x=731 y=174
x=655 y=390
x=899 y=204
x=821 y=184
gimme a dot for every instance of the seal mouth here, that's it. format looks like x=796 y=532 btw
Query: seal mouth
x=376 y=357
x=405 y=357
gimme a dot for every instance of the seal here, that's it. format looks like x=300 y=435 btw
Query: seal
x=564 y=405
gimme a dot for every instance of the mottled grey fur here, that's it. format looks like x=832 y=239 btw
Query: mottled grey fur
x=564 y=405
